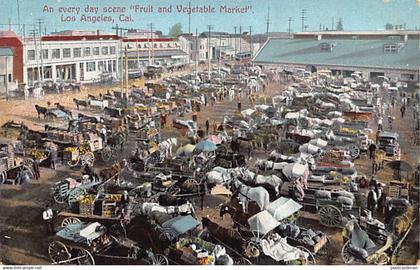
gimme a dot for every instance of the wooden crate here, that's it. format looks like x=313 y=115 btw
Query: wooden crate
x=86 y=209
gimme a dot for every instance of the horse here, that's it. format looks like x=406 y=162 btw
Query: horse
x=169 y=200
x=246 y=193
x=41 y=110
x=147 y=208
x=80 y=102
x=165 y=147
x=115 y=169
x=229 y=236
x=62 y=108
x=378 y=160
x=273 y=181
x=270 y=165
x=117 y=139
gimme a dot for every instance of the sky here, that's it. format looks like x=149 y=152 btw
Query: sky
x=356 y=14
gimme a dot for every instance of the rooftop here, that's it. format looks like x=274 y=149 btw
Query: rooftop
x=343 y=52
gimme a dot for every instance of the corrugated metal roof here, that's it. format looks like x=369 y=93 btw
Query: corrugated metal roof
x=357 y=53
x=6 y=51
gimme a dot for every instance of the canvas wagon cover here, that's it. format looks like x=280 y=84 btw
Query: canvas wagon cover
x=180 y=225
x=263 y=222
x=283 y=208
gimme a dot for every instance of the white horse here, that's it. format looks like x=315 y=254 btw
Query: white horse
x=270 y=165
x=165 y=147
x=273 y=180
x=147 y=208
x=246 y=193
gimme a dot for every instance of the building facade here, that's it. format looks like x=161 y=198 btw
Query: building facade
x=86 y=58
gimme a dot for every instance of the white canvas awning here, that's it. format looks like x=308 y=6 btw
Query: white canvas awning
x=283 y=208
x=263 y=222
x=294 y=170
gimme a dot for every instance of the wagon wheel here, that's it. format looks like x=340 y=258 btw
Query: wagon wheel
x=106 y=153
x=57 y=196
x=252 y=250
x=330 y=216
x=84 y=257
x=88 y=158
x=190 y=183
x=75 y=194
x=354 y=151
x=307 y=261
x=58 y=252
x=242 y=261
x=70 y=220
x=3 y=177
x=164 y=236
x=346 y=255
x=382 y=259
x=159 y=259
x=73 y=163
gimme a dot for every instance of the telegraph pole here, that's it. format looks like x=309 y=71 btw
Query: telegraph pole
x=250 y=41
x=40 y=21
x=210 y=27
x=197 y=52
x=332 y=24
x=236 y=38
x=189 y=17
x=153 y=43
x=240 y=38
x=18 y=13
x=34 y=34
x=268 y=21
x=290 y=23
x=303 y=18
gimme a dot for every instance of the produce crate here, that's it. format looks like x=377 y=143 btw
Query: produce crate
x=86 y=204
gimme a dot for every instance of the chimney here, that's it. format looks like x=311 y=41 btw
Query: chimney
x=97 y=32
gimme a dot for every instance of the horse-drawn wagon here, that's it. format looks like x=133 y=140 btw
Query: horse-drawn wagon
x=15 y=167
x=82 y=244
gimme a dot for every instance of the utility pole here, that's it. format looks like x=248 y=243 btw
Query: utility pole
x=251 y=47
x=210 y=27
x=40 y=21
x=34 y=34
x=236 y=38
x=303 y=18
x=220 y=52
x=189 y=17
x=332 y=24
x=153 y=43
x=138 y=55
x=240 y=38
x=197 y=51
x=268 y=21
x=290 y=23
x=122 y=68
x=6 y=79
x=126 y=72
x=18 y=14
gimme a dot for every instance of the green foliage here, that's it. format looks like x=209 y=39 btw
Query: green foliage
x=175 y=30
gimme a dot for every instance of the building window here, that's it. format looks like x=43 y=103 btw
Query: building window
x=104 y=50
x=114 y=65
x=31 y=54
x=77 y=52
x=101 y=66
x=392 y=48
x=109 y=65
x=90 y=66
x=66 y=53
x=112 y=50
x=10 y=77
x=56 y=53
x=96 y=51
x=86 y=52
x=44 y=54
x=327 y=47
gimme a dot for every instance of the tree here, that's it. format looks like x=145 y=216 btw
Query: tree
x=175 y=30
x=389 y=26
x=339 y=26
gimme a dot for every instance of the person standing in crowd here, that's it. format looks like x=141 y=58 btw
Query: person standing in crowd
x=48 y=217
x=380 y=123
x=207 y=126
x=372 y=149
x=54 y=156
x=402 y=111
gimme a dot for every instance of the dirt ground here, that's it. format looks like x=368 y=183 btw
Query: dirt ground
x=23 y=237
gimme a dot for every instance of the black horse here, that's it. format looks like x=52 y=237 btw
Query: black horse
x=169 y=200
x=41 y=110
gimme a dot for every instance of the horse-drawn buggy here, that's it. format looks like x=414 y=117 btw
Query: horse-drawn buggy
x=15 y=167
x=83 y=244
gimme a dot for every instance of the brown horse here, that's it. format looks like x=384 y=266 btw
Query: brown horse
x=228 y=236
x=115 y=169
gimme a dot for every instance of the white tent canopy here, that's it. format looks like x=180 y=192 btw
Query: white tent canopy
x=263 y=222
x=283 y=208
x=294 y=170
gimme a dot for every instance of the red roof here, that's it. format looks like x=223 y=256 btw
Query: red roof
x=75 y=38
x=148 y=40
